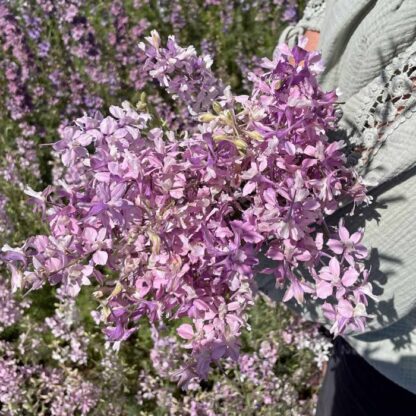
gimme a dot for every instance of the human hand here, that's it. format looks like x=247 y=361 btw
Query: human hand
x=313 y=39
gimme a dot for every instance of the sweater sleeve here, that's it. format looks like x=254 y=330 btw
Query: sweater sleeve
x=311 y=20
x=370 y=53
x=379 y=126
x=380 y=122
x=313 y=15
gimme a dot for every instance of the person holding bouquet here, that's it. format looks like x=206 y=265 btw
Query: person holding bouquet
x=369 y=52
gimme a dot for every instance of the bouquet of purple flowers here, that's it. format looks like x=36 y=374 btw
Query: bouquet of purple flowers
x=169 y=225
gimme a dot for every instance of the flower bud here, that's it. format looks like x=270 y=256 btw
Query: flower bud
x=207 y=117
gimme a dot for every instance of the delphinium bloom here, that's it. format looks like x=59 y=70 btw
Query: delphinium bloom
x=170 y=226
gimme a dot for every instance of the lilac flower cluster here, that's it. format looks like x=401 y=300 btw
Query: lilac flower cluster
x=69 y=72
x=19 y=166
x=290 y=10
x=26 y=383
x=71 y=338
x=89 y=60
x=11 y=379
x=183 y=73
x=41 y=391
x=252 y=384
x=68 y=395
x=16 y=71
x=5 y=223
x=11 y=310
x=308 y=338
x=31 y=382
x=181 y=219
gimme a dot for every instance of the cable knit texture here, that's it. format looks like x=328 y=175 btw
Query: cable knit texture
x=369 y=50
x=313 y=14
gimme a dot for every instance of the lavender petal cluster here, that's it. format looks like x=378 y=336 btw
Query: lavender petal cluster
x=11 y=309
x=251 y=384
x=169 y=226
x=41 y=391
x=182 y=72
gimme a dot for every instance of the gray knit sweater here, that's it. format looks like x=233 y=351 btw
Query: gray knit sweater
x=369 y=49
